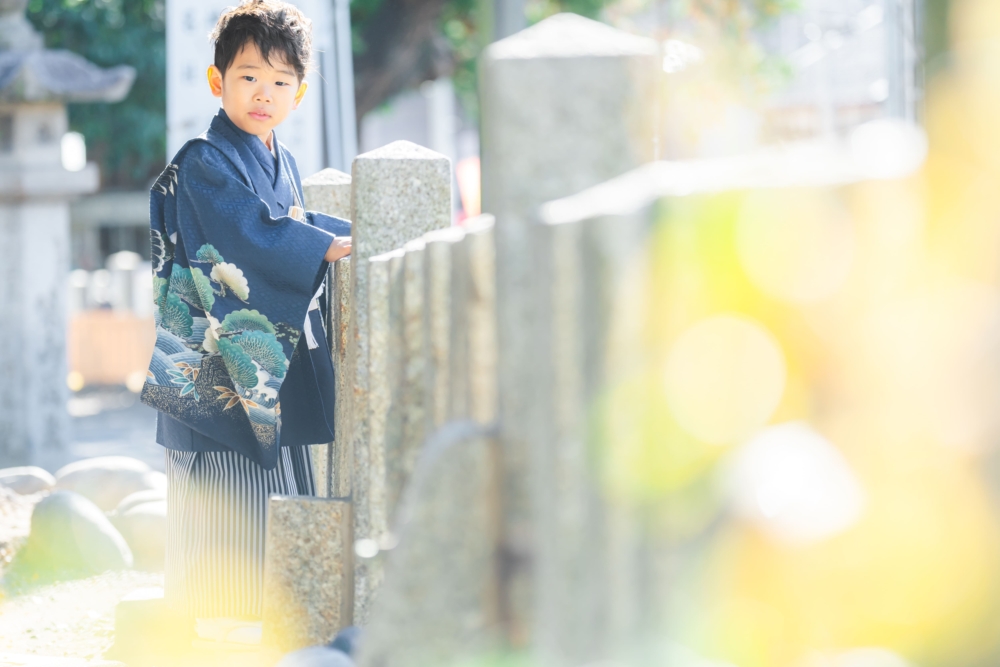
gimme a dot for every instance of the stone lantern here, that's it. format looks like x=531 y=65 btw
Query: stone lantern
x=35 y=191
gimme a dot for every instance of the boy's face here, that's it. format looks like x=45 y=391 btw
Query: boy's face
x=257 y=96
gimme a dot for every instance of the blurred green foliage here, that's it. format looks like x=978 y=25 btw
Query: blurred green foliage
x=127 y=139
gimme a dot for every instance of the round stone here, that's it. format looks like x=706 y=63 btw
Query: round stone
x=70 y=536
x=27 y=479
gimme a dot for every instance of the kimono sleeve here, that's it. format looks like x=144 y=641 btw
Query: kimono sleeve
x=231 y=304
x=216 y=206
x=329 y=223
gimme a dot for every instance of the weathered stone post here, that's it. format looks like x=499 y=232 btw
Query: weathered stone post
x=439 y=321
x=566 y=104
x=329 y=191
x=400 y=192
x=35 y=189
x=439 y=603
x=308 y=579
x=308 y=570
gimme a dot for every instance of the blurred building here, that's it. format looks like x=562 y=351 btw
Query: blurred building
x=315 y=132
x=850 y=61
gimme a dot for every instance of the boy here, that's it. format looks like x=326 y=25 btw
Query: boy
x=241 y=373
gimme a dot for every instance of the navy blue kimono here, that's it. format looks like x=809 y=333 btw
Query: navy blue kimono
x=234 y=276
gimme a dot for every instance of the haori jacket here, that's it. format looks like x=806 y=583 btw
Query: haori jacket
x=241 y=360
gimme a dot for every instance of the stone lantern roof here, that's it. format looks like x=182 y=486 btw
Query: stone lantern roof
x=31 y=73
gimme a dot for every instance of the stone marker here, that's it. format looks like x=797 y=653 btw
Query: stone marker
x=473 y=324
x=341 y=466
x=399 y=192
x=413 y=397
x=438 y=605
x=438 y=281
x=482 y=320
x=27 y=479
x=370 y=511
x=329 y=191
x=566 y=104
x=307 y=571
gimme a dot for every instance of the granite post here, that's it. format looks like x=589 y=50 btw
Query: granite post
x=399 y=192
x=439 y=601
x=473 y=324
x=37 y=182
x=307 y=571
x=341 y=462
x=413 y=397
x=481 y=314
x=329 y=191
x=566 y=104
x=439 y=327
x=371 y=516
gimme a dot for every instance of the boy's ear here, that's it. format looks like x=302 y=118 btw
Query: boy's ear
x=215 y=80
x=300 y=93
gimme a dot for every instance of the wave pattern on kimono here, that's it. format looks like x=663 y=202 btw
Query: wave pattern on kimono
x=233 y=277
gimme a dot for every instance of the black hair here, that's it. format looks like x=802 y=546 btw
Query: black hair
x=270 y=24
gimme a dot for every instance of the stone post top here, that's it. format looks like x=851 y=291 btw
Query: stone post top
x=570 y=36
x=387 y=256
x=479 y=223
x=447 y=235
x=402 y=150
x=415 y=245
x=327 y=176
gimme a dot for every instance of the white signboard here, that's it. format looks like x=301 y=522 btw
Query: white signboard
x=190 y=103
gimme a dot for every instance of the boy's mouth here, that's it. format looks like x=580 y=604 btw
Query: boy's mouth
x=259 y=115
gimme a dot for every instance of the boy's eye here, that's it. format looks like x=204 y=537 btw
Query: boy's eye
x=249 y=78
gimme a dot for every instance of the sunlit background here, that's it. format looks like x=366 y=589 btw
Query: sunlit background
x=810 y=424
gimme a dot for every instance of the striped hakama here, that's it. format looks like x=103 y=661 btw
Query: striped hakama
x=216 y=514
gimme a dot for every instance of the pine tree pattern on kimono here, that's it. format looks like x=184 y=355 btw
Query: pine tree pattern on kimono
x=232 y=283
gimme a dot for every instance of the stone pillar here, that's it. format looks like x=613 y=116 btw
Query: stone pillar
x=481 y=313
x=414 y=372
x=438 y=605
x=35 y=189
x=307 y=571
x=439 y=284
x=341 y=462
x=329 y=191
x=473 y=324
x=383 y=375
x=593 y=275
x=400 y=192
x=566 y=104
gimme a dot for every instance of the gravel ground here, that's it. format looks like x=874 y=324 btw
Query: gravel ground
x=72 y=618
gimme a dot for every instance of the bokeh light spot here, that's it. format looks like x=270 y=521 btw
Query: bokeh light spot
x=795 y=484
x=724 y=378
x=797 y=246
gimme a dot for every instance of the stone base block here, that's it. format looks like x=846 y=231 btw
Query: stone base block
x=308 y=571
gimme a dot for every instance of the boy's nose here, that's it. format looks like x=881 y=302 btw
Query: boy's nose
x=263 y=95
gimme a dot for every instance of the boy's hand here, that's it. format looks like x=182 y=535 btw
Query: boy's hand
x=340 y=248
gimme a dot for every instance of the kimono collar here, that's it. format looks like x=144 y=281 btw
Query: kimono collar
x=271 y=179
x=258 y=148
